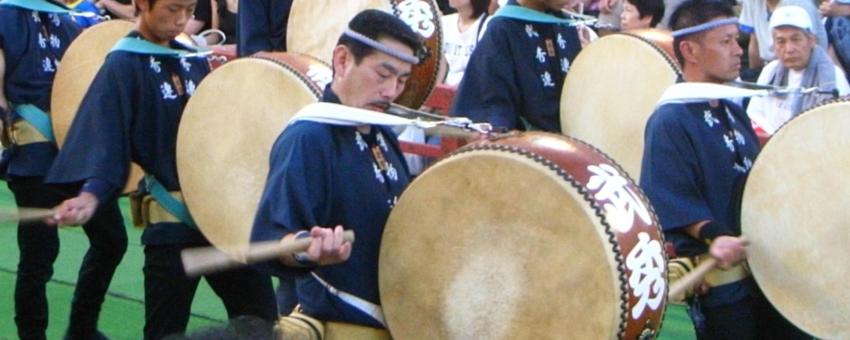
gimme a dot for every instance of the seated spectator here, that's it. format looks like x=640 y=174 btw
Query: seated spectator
x=212 y=16
x=754 y=20
x=461 y=32
x=640 y=14
x=801 y=63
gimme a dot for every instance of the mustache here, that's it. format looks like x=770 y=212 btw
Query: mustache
x=382 y=104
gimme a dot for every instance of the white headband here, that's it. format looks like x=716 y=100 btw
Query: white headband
x=704 y=27
x=381 y=47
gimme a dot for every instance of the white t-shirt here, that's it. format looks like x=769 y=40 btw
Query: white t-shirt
x=458 y=46
x=754 y=14
x=770 y=113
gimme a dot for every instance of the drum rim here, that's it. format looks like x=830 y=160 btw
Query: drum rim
x=769 y=147
x=599 y=212
x=667 y=57
x=189 y=195
x=313 y=87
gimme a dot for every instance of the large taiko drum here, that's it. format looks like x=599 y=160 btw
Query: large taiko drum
x=529 y=236
x=795 y=215
x=227 y=132
x=80 y=64
x=314 y=28
x=612 y=88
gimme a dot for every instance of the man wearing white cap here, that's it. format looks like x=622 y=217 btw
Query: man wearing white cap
x=800 y=63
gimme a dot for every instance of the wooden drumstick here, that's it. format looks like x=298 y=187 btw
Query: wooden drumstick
x=25 y=215
x=692 y=278
x=206 y=260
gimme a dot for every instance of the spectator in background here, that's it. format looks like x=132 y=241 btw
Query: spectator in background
x=262 y=26
x=800 y=63
x=461 y=32
x=754 y=21
x=84 y=6
x=117 y=9
x=640 y=14
x=217 y=15
x=837 y=26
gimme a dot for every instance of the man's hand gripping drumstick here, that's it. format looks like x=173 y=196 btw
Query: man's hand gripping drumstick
x=726 y=251
x=75 y=211
x=319 y=246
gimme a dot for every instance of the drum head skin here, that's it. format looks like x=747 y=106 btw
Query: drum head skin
x=226 y=135
x=314 y=28
x=795 y=216
x=611 y=90
x=79 y=66
x=499 y=242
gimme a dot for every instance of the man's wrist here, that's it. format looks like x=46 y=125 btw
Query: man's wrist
x=712 y=230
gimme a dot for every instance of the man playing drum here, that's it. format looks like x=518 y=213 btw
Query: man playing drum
x=34 y=36
x=514 y=77
x=800 y=63
x=131 y=113
x=325 y=177
x=696 y=158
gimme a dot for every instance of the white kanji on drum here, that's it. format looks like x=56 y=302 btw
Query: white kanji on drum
x=418 y=15
x=623 y=204
x=646 y=264
x=320 y=76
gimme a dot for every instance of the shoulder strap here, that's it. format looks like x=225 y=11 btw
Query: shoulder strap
x=171 y=204
x=527 y=14
x=37 y=118
x=142 y=46
x=38 y=5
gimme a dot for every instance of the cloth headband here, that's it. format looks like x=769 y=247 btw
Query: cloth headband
x=409 y=58
x=704 y=27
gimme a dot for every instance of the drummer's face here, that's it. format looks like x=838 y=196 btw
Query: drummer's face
x=718 y=54
x=165 y=19
x=374 y=82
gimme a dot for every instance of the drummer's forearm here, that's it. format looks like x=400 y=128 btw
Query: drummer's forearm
x=101 y=189
x=3 y=103
x=694 y=229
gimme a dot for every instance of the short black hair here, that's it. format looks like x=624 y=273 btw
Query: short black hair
x=479 y=7
x=376 y=24
x=654 y=8
x=696 y=12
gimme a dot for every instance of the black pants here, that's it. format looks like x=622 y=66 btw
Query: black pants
x=751 y=318
x=169 y=292
x=39 y=245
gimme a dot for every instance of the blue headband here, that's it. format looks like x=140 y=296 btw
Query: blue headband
x=381 y=47
x=704 y=27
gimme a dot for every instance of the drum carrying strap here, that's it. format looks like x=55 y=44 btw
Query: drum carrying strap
x=39 y=119
x=45 y=6
x=171 y=204
x=142 y=46
x=527 y=14
x=362 y=305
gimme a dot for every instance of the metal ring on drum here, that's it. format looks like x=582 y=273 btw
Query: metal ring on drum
x=528 y=236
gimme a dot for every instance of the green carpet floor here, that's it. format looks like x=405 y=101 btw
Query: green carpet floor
x=123 y=311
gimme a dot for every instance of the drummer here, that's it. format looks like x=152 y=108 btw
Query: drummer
x=325 y=177
x=697 y=155
x=32 y=44
x=514 y=77
x=131 y=113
